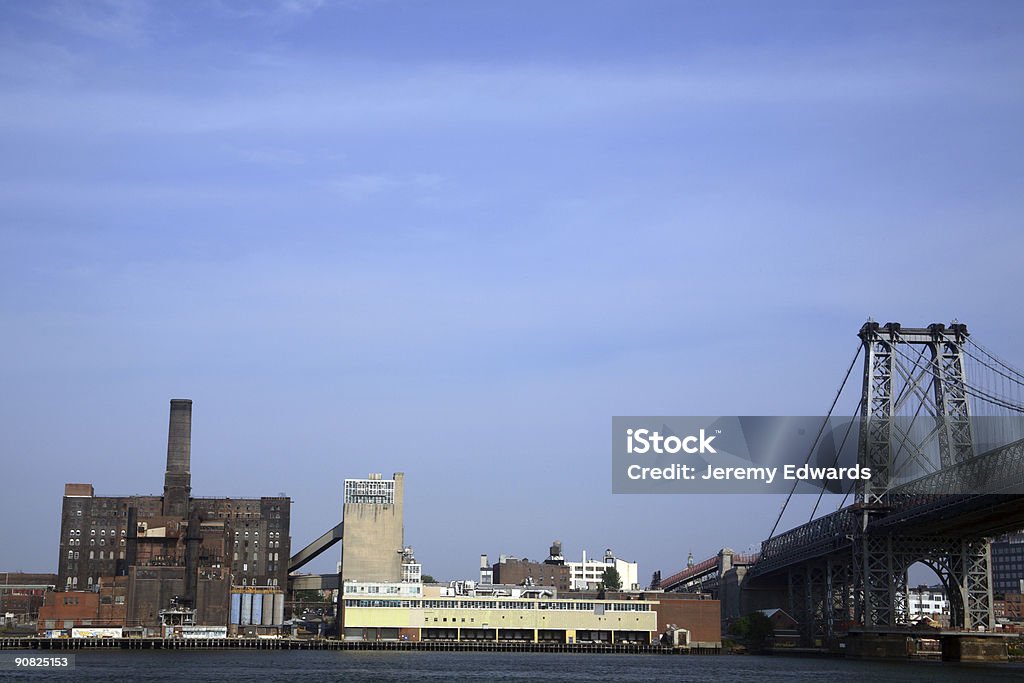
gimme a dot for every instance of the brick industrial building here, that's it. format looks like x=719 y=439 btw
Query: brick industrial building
x=140 y=553
x=21 y=596
x=516 y=572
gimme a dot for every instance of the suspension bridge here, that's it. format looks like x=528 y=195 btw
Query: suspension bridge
x=940 y=425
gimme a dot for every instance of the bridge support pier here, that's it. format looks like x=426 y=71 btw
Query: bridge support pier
x=868 y=645
x=956 y=646
x=974 y=648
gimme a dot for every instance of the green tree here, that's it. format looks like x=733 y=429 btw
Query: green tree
x=610 y=580
x=427 y=578
x=755 y=629
x=309 y=596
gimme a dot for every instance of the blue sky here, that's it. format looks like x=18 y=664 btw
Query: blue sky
x=454 y=238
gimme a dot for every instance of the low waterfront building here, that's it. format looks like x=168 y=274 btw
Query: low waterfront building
x=406 y=611
x=65 y=610
x=700 y=616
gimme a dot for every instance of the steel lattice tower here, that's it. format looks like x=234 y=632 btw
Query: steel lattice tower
x=922 y=368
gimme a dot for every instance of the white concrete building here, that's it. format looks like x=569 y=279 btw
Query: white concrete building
x=586 y=575
x=923 y=601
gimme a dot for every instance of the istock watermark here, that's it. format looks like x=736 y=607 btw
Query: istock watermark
x=769 y=454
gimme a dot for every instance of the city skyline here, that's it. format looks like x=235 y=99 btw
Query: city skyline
x=453 y=240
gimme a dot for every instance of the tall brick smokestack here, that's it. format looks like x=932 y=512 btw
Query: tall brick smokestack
x=178 y=478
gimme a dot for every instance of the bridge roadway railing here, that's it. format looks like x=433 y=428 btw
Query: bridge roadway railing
x=996 y=475
x=819 y=537
x=975 y=482
x=708 y=566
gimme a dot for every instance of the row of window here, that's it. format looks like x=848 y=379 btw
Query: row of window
x=73 y=555
x=271 y=557
x=500 y=604
x=92 y=542
x=392 y=589
x=92 y=532
x=270 y=582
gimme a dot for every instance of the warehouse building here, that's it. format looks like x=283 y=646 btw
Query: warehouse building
x=407 y=611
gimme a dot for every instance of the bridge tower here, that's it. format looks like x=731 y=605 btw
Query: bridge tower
x=913 y=374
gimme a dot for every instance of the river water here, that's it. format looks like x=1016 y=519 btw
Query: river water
x=406 y=667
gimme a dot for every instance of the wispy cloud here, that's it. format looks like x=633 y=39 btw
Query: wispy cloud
x=300 y=6
x=358 y=187
x=442 y=96
x=118 y=21
x=270 y=10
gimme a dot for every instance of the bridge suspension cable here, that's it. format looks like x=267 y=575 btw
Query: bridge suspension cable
x=1019 y=376
x=839 y=452
x=817 y=438
x=1010 y=380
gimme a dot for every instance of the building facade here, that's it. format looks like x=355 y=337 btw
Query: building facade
x=1008 y=564
x=374 y=546
x=516 y=572
x=397 y=611
x=586 y=575
x=930 y=602
x=22 y=594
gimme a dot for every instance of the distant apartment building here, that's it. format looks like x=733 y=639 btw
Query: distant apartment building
x=930 y=602
x=587 y=574
x=1009 y=608
x=170 y=548
x=486 y=572
x=1008 y=564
